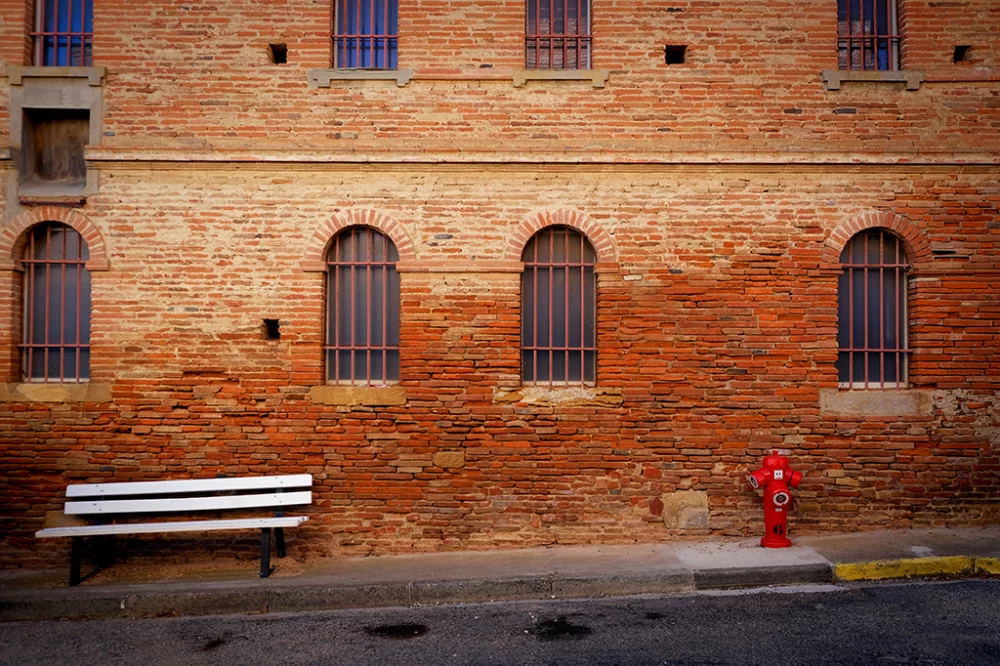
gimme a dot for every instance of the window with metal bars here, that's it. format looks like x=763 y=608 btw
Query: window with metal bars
x=557 y=34
x=55 y=344
x=867 y=34
x=559 y=308
x=872 y=311
x=366 y=34
x=362 y=308
x=63 y=33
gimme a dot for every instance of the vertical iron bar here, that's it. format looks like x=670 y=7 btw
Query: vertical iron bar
x=583 y=307
x=881 y=308
x=48 y=289
x=850 y=311
x=62 y=309
x=534 y=325
x=368 y=302
x=79 y=312
x=29 y=308
x=551 y=267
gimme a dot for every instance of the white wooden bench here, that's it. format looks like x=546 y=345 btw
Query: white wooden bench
x=112 y=504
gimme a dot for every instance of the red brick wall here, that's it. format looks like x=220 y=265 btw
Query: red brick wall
x=717 y=307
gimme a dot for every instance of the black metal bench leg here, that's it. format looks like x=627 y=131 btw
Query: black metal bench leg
x=279 y=540
x=265 y=552
x=76 y=554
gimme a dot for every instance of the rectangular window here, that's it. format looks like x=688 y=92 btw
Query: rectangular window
x=365 y=34
x=867 y=34
x=63 y=33
x=557 y=34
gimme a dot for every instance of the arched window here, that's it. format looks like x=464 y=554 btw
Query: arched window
x=55 y=344
x=362 y=308
x=559 y=308
x=872 y=311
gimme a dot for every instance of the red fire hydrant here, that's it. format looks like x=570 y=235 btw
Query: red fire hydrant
x=775 y=477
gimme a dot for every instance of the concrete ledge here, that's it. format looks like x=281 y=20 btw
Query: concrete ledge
x=890 y=402
x=94 y=75
x=707 y=579
x=43 y=392
x=833 y=78
x=350 y=396
x=597 y=77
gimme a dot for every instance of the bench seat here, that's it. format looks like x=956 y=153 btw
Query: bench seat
x=129 y=507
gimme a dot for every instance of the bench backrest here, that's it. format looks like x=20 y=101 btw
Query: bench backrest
x=252 y=492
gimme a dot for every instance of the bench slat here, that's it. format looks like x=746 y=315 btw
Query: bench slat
x=163 y=505
x=178 y=526
x=188 y=486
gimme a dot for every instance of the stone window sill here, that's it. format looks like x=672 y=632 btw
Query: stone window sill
x=833 y=78
x=321 y=78
x=352 y=396
x=49 y=392
x=597 y=77
x=94 y=75
x=872 y=402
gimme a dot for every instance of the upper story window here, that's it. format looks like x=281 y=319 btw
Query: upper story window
x=557 y=34
x=63 y=33
x=55 y=344
x=365 y=34
x=867 y=34
x=362 y=308
x=872 y=311
x=559 y=308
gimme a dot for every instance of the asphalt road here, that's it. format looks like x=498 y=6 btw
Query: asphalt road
x=919 y=624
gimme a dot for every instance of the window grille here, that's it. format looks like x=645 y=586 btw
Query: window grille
x=558 y=308
x=365 y=34
x=362 y=318
x=557 y=34
x=55 y=344
x=867 y=34
x=63 y=33
x=872 y=311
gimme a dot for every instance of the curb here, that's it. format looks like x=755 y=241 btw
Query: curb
x=958 y=565
x=260 y=598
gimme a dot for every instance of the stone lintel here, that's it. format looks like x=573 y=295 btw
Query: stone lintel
x=889 y=402
x=45 y=392
x=350 y=396
x=572 y=396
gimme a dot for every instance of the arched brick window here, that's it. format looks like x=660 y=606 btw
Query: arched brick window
x=872 y=311
x=55 y=342
x=362 y=308
x=559 y=308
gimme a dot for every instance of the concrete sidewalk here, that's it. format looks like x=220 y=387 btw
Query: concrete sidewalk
x=561 y=572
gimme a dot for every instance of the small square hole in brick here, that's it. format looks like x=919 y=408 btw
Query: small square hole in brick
x=272 y=329
x=961 y=53
x=279 y=53
x=676 y=54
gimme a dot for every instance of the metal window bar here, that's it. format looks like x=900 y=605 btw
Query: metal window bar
x=559 y=303
x=867 y=35
x=557 y=34
x=872 y=308
x=362 y=333
x=55 y=344
x=365 y=34
x=63 y=33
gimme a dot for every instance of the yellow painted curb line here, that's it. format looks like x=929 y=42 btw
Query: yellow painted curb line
x=905 y=568
x=990 y=565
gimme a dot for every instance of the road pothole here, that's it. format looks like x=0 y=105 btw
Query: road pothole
x=561 y=629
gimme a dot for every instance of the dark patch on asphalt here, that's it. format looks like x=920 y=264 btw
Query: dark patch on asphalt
x=561 y=629
x=653 y=615
x=215 y=643
x=397 y=632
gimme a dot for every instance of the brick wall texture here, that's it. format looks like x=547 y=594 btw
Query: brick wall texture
x=718 y=194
